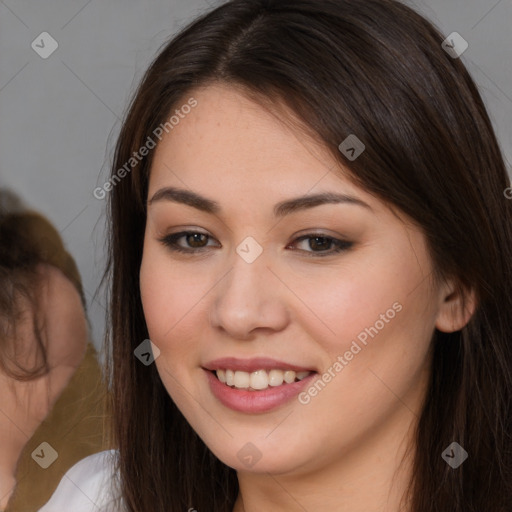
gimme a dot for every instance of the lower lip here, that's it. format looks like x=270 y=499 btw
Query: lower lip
x=255 y=401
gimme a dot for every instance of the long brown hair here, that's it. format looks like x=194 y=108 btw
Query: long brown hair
x=374 y=68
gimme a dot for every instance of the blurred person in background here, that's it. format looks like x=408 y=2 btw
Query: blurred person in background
x=51 y=384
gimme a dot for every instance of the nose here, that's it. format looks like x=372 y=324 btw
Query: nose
x=249 y=299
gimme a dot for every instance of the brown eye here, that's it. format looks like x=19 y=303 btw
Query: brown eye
x=320 y=244
x=195 y=241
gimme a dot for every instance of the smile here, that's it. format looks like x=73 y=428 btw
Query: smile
x=260 y=379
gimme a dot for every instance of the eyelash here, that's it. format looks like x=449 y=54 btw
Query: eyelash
x=170 y=241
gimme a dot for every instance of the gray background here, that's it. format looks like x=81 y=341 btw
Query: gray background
x=59 y=117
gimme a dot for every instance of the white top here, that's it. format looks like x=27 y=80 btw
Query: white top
x=88 y=486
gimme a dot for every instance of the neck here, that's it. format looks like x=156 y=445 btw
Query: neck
x=12 y=446
x=20 y=406
x=7 y=484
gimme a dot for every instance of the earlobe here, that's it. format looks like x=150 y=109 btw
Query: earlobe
x=456 y=309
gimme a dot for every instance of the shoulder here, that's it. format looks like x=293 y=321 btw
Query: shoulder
x=88 y=486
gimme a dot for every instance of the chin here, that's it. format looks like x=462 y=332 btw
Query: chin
x=255 y=457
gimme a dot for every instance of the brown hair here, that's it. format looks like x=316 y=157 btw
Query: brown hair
x=27 y=241
x=374 y=68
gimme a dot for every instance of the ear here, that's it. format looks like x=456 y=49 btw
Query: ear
x=456 y=308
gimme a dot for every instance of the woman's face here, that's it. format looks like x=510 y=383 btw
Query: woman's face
x=251 y=291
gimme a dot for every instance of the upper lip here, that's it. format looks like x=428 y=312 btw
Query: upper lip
x=252 y=365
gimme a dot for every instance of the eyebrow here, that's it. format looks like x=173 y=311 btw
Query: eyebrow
x=187 y=197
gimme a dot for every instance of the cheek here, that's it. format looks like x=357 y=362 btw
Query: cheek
x=174 y=306
x=338 y=310
x=378 y=316
x=171 y=301
x=166 y=294
x=365 y=382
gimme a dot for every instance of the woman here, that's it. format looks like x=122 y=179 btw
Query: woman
x=51 y=402
x=319 y=249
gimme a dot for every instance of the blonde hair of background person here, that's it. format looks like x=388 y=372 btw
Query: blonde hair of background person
x=214 y=260
x=50 y=378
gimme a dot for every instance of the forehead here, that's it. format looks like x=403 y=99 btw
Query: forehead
x=230 y=147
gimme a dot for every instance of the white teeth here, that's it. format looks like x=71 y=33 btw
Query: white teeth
x=242 y=380
x=289 y=376
x=275 y=377
x=260 y=379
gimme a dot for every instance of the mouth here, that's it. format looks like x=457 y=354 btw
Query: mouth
x=256 y=385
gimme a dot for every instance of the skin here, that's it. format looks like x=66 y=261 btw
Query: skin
x=351 y=437
x=24 y=405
